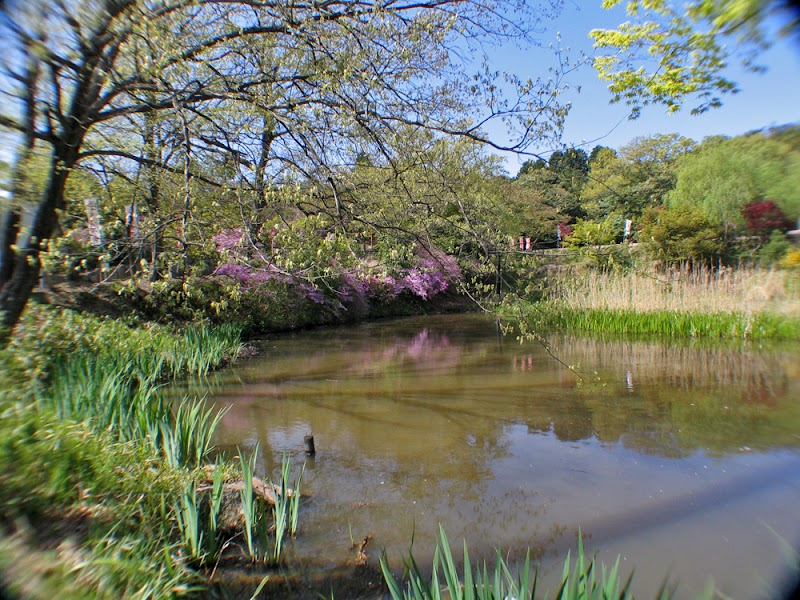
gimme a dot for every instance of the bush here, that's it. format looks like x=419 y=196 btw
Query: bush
x=774 y=250
x=676 y=235
x=591 y=233
x=791 y=260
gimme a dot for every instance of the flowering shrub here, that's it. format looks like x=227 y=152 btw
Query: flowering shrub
x=311 y=269
x=791 y=260
x=432 y=275
x=249 y=276
x=229 y=240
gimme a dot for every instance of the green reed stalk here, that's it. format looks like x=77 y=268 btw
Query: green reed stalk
x=280 y=511
x=189 y=525
x=294 y=504
x=215 y=503
x=581 y=580
x=248 y=504
x=193 y=428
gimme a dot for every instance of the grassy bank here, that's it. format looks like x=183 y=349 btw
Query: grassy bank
x=733 y=304
x=560 y=316
x=104 y=482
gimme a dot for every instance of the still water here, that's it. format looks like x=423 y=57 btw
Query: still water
x=681 y=459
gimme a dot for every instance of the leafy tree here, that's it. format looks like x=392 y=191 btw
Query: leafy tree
x=675 y=235
x=529 y=165
x=672 y=53
x=721 y=178
x=600 y=153
x=571 y=167
x=276 y=94
x=549 y=188
x=639 y=177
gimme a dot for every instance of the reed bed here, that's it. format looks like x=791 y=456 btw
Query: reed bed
x=684 y=290
x=744 y=303
x=662 y=323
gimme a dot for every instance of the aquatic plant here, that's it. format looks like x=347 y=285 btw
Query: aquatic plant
x=249 y=507
x=581 y=580
x=85 y=430
x=286 y=509
x=187 y=514
x=735 y=325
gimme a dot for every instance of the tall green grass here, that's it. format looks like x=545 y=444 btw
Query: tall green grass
x=742 y=326
x=85 y=434
x=258 y=546
x=581 y=580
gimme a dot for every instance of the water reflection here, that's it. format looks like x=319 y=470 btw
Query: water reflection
x=442 y=420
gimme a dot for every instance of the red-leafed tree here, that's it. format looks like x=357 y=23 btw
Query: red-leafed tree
x=764 y=217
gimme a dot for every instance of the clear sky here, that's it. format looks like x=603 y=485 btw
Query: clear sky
x=765 y=100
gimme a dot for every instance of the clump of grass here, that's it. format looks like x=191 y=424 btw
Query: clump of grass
x=249 y=507
x=284 y=513
x=582 y=580
x=286 y=509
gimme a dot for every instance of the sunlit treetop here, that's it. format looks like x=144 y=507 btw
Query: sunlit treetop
x=678 y=54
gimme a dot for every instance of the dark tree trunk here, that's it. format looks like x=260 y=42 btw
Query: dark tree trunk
x=13 y=216
x=27 y=265
x=267 y=137
x=11 y=224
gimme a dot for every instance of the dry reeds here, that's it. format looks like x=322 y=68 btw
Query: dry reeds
x=698 y=290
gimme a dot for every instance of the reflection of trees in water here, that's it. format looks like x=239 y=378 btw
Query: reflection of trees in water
x=397 y=394
x=671 y=400
x=686 y=366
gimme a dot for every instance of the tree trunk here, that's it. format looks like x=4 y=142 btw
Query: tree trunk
x=11 y=224
x=13 y=216
x=27 y=266
x=267 y=137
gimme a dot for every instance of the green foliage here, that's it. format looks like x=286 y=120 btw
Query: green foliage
x=597 y=243
x=683 y=234
x=774 y=250
x=671 y=54
x=85 y=437
x=269 y=306
x=581 y=580
x=571 y=167
x=55 y=469
x=637 y=178
x=590 y=233
x=670 y=324
x=284 y=513
x=722 y=177
x=475 y=583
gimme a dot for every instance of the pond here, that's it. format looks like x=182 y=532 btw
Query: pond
x=682 y=459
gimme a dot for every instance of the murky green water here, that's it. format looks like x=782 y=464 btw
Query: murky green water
x=682 y=459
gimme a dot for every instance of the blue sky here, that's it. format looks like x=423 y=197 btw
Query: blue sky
x=771 y=98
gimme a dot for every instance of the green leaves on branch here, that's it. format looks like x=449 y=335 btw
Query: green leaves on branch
x=673 y=55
